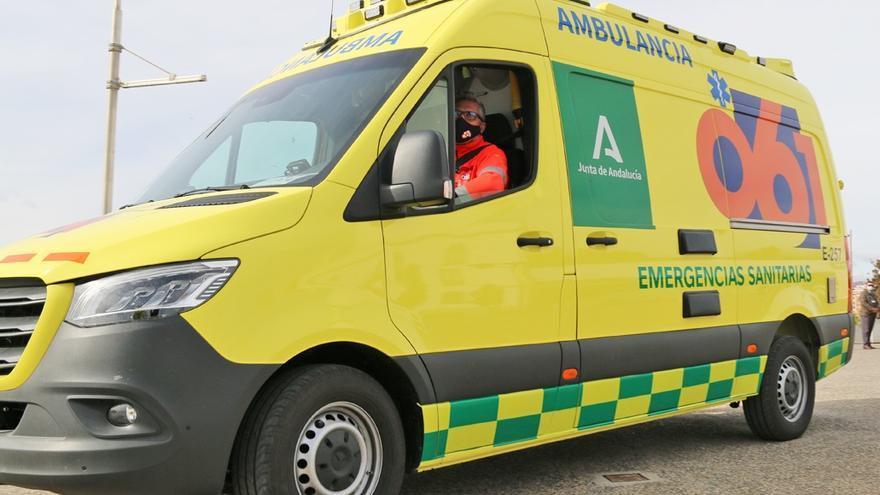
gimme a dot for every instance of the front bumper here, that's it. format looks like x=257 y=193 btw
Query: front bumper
x=190 y=402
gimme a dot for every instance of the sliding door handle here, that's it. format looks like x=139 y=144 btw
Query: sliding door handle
x=601 y=241
x=534 y=241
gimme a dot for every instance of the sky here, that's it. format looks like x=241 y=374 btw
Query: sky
x=54 y=69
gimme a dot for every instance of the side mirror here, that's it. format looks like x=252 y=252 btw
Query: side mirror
x=420 y=172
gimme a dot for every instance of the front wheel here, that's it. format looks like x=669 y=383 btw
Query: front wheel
x=783 y=408
x=320 y=430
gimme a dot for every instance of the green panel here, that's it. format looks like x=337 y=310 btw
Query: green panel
x=748 y=366
x=822 y=370
x=604 y=150
x=435 y=445
x=517 y=429
x=719 y=390
x=664 y=402
x=635 y=385
x=696 y=375
x=561 y=398
x=597 y=415
x=473 y=411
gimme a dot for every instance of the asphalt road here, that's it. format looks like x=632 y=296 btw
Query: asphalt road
x=708 y=452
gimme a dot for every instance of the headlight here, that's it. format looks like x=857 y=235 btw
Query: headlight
x=148 y=294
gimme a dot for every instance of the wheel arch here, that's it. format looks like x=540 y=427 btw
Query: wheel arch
x=404 y=378
x=799 y=326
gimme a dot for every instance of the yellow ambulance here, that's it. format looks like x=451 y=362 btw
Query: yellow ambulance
x=303 y=303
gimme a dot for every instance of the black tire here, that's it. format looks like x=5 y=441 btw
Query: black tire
x=268 y=457
x=775 y=413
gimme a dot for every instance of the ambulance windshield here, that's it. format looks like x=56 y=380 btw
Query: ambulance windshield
x=289 y=133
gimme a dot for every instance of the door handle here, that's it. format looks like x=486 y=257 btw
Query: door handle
x=601 y=241
x=534 y=241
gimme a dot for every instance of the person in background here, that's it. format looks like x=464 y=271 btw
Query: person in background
x=480 y=167
x=869 y=309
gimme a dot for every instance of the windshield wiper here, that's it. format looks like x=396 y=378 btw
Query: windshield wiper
x=212 y=189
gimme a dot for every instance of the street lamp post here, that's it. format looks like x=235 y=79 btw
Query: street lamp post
x=112 y=104
x=114 y=84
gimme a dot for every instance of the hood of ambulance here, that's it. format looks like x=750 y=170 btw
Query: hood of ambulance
x=151 y=234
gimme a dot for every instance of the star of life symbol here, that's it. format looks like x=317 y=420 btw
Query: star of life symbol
x=720 y=90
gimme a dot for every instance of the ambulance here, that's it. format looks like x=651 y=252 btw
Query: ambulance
x=302 y=304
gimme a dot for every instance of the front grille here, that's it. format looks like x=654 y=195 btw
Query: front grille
x=20 y=309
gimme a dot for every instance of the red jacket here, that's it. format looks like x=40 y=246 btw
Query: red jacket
x=482 y=175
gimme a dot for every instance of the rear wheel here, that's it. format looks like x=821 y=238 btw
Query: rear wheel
x=783 y=408
x=320 y=430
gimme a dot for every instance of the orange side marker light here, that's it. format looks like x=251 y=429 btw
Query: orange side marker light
x=752 y=348
x=570 y=374
x=74 y=257
x=844 y=332
x=18 y=258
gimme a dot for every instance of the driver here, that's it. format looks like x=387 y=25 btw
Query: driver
x=480 y=166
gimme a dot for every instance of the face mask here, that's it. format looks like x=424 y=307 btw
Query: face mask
x=465 y=131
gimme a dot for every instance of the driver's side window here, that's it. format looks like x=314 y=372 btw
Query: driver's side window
x=491 y=127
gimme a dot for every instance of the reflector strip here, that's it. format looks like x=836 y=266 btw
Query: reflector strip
x=498 y=421
x=75 y=257
x=18 y=258
x=832 y=357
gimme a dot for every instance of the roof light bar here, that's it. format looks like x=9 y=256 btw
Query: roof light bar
x=701 y=39
x=671 y=28
x=762 y=61
x=640 y=17
x=582 y=2
x=413 y=2
x=728 y=48
x=355 y=6
x=374 y=12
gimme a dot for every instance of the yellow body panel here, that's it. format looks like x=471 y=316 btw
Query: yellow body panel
x=303 y=287
x=151 y=235
x=671 y=97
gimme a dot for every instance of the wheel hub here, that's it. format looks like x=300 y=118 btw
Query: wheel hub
x=339 y=458
x=338 y=453
x=791 y=392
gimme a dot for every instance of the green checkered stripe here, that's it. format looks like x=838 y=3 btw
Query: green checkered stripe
x=832 y=357
x=502 y=420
